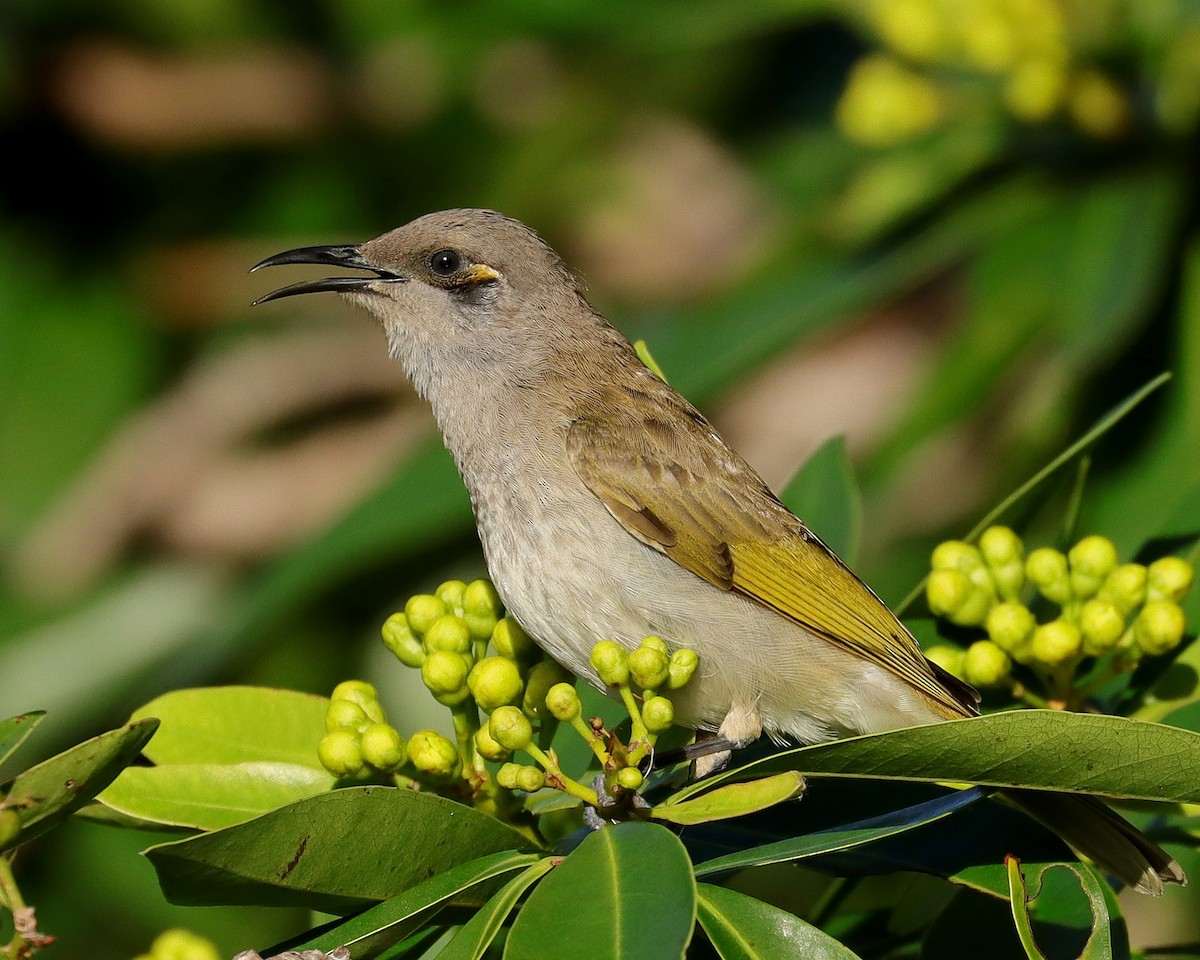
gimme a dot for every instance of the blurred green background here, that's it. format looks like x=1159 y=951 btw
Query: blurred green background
x=954 y=230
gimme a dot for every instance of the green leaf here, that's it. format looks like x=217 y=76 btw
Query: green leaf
x=47 y=793
x=389 y=922
x=626 y=891
x=825 y=495
x=1053 y=910
x=744 y=928
x=1037 y=749
x=209 y=796
x=14 y=730
x=733 y=800
x=472 y=941
x=214 y=725
x=1178 y=687
x=334 y=852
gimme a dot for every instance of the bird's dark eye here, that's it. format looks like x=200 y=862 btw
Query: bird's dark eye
x=446 y=263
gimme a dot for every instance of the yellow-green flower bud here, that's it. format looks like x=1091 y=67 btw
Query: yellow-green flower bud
x=530 y=779
x=511 y=641
x=1159 y=627
x=1091 y=560
x=451 y=594
x=495 y=682
x=362 y=693
x=985 y=664
x=433 y=754
x=629 y=778
x=383 y=747
x=658 y=713
x=181 y=944
x=506 y=776
x=1168 y=578
x=1125 y=587
x=481 y=608
x=488 y=748
x=658 y=643
x=649 y=667
x=445 y=674
x=400 y=639
x=1004 y=554
x=544 y=675
x=340 y=753
x=422 y=610
x=1047 y=569
x=611 y=662
x=952 y=595
x=682 y=665
x=563 y=702
x=10 y=826
x=1101 y=624
x=948 y=658
x=956 y=555
x=510 y=728
x=1056 y=643
x=345 y=715
x=1010 y=626
x=448 y=632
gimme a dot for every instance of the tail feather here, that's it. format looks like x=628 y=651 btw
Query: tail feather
x=1104 y=837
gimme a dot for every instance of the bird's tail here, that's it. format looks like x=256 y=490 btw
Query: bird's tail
x=1112 y=843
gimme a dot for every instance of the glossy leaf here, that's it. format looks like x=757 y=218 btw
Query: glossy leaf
x=733 y=800
x=335 y=852
x=626 y=891
x=214 y=725
x=47 y=793
x=14 y=730
x=1029 y=884
x=744 y=928
x=477 y=934
x=209 y=796
x=825 y=495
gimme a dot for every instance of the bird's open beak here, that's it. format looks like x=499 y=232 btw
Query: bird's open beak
x=347 y=255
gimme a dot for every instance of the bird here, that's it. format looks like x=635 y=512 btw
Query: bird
x=609 y=507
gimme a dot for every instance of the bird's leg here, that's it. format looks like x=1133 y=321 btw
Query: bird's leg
x=710 y=753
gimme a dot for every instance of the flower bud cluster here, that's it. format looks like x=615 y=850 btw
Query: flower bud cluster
x=358 y=740
x=180 y=944
x=1104 y=607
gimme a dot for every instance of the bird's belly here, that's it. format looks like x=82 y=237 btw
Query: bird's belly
x=584 y=579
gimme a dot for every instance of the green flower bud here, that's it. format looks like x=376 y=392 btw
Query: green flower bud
x=1047 y=569
x=952 y=595
x=507 y=775
x=345 y=715
x=658 y=643
x=1005 y=556
x=1056 y=642
x=482 y=608
x=451 y=594
x=10 y=826
x=530 y=779
x=1091 y=560
x=362 y=693
x=511 y=641
x=488 y=748
x=563 y=702
x=1125 y=587
x=1101 y=624
x=433 y=754
x=956 y=555
x=1168 y=578
x=682 y=665
x=611 y=662
x=658 y=713
x=649 y=667
x=629 y=778
x=383 y=747
x=495 y=682
x=1010 y=626
x=948 y=658
x=400 y=639
x=510 y=728
x=1159 y=627
x=340 y=753
x=180 y=944
x=448 y=632
x=422 y=610
x=544 y=675
x=985 y=664
x=445 y=674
